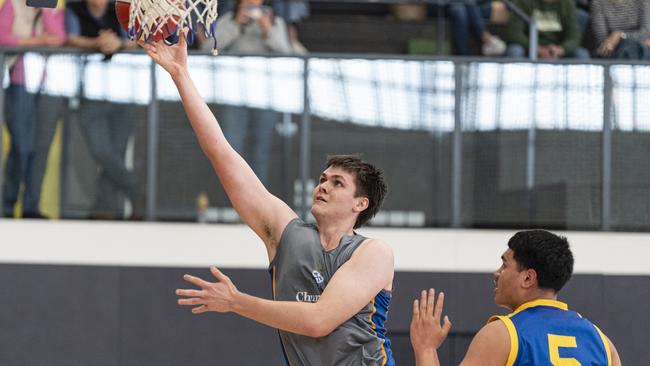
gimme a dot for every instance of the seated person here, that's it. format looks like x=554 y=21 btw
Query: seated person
x=559 y=33
x=469 y=18
x=621 y=28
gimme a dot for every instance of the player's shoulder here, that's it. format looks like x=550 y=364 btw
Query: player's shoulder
x=490 y=346
x=376 y=245
x=374 y=251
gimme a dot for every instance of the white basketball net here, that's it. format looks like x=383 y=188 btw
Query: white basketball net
x=158 y=17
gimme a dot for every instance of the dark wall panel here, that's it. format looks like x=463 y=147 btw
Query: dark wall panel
x=127 y=316
x=58 y=315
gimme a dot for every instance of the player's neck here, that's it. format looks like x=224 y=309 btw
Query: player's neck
x=331 y=233
x=537 y=294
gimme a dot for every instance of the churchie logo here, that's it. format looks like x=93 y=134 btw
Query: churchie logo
x=304 y=296
x=318 y=277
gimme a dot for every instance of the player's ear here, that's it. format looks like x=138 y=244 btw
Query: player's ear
x=361 y=203
x=530 y=278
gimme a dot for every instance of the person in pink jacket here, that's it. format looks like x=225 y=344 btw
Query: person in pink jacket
x=23 y=26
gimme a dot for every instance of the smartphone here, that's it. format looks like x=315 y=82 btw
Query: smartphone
x=42 y=3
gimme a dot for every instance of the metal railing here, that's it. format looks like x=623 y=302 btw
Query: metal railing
x=461 y=88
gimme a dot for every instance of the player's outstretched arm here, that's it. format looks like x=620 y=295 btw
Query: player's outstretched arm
x=357 y=282
x=264 y=213
x=426 y=332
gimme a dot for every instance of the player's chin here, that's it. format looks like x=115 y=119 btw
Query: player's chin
x=315 y=210
x=497 y=299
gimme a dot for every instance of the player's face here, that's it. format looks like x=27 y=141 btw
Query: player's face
x=333 y=196
x=97 y=4
x=506 y=281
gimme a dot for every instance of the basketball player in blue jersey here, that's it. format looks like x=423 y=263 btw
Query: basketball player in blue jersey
x=540 y=331
x=331 y=286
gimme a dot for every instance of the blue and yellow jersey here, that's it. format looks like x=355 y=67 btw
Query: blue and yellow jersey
x=546 y=332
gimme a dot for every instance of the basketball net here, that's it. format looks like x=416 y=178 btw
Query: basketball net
x=155 y=17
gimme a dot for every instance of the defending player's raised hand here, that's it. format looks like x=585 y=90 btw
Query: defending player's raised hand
x=171 y=58
x=213 y=296
x=426 y=332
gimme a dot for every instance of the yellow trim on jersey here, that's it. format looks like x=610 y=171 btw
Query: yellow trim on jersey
x=372 y=313
x=540 y=302
x=606 y=344
x=530 y=304
x=1 y=3
x=374 y=328
x=514 y=338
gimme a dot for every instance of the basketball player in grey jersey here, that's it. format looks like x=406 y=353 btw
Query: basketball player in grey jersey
x=331 y=286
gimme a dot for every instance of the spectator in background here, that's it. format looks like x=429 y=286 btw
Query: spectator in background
x=582 y=14
x=92 y=25
x=470 y=17
x=23 y=26
x=293 y=12
x=622 y=28
x=251 y=28
x=559 y=34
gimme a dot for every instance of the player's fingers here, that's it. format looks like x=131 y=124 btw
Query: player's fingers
x=200 y=309
x=430 y=301
x=189 y=293
x=218 y=274
x=440 y=304
x=192 y=301
x=423 y=303
x=446 y=326
x=195 y=280
x=181 y=41
x=416 y=311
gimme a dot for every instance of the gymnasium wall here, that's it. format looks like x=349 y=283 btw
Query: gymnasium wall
x=82 y=293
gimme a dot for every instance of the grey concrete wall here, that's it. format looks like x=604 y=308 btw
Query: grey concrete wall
x=123 y=316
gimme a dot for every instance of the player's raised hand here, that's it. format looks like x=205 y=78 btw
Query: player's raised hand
x=172 y=58
x=426 y=332
x=213 y=296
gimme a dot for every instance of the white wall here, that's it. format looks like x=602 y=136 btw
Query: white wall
x=235 y=246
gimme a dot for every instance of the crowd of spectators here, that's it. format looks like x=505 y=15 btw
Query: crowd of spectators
x=617 y=29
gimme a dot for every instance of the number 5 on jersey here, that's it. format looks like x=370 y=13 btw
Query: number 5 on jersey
x=554 y=343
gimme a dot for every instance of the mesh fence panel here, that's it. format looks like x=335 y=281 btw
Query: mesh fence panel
x=631 y=148
x=398 y=115
x=527 y=133
x=531 y=134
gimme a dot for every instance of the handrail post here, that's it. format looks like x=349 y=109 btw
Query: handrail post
x=305 y=144
x=532 y=40
x=152 y=148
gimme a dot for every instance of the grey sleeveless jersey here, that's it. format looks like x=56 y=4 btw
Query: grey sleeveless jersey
x=300 y=271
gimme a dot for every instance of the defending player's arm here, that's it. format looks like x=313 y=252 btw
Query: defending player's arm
x=426 y=332
x=369 y=270
x=264 y=213
x=490 y=347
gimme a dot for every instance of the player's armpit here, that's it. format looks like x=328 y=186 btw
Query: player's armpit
x=263 y=212
x=490 y=346
x=355 y=284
